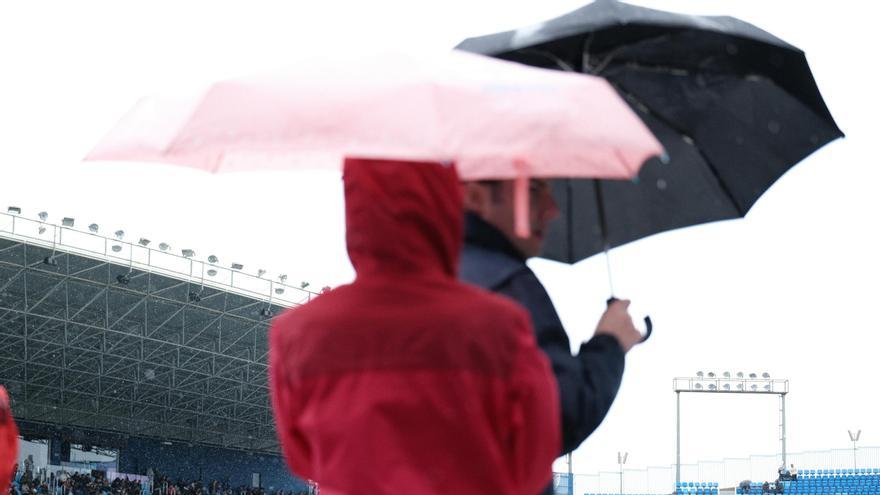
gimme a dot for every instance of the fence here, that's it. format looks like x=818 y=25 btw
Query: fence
x=726 y=472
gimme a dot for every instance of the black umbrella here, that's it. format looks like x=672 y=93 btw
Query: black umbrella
x=734 y=106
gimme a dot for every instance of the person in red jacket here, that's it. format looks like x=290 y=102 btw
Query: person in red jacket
x=8 y=442
x=407 y=380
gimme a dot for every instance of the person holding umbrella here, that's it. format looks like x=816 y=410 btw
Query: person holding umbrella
x=494 y=257
x=407 y=379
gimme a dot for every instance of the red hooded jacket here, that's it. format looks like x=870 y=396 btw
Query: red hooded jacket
x=407 y=380
x=8 y=442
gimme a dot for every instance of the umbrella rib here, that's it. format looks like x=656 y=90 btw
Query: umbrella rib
x=645 y=108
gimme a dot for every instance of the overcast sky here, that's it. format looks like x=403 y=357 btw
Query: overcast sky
x=791 y=290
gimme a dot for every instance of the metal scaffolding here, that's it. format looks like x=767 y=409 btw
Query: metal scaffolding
x=157 y=353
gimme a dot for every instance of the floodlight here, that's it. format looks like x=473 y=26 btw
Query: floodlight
x=164 y=246
x=767 y=387
x=282 y=278
x=739 y=374
x=42 y=229
x=726 y=374
x=116 y=248
x=212 y=272
x=698 y=387
x=43 y=215
x=712 y=386
x=213 y=259
x=261 y=272
x=195 y=297
x=237 y=266
x=279 y=290
x=14 y=210
x=765 y=375
x=187 y=253
x=94 y=228
x=711 y=374
x=123 y=278
x=303 y=285
x=700 y=374
x=267 y=312
x=67 y=222
x=119 y=234
x=752 y=375
x=726 y=386
x=754 y=387
x=144 y=242
x=50 y=260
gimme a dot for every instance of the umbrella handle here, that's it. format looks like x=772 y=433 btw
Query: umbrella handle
x=649 y=325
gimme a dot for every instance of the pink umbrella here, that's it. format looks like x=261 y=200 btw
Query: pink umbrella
x=494 y=119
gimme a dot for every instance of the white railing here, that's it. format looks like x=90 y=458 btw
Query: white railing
x=61 y=239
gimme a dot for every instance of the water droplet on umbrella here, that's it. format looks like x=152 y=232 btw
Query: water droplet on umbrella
x=773 y=126
x=661 y=184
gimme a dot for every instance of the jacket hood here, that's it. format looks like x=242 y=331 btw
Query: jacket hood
x=402 y=217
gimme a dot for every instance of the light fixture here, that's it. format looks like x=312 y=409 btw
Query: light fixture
x=237 y=266
x=279 y=290
x=195 y=297
x=164 y=246
x=116 y=248
x=212 y=272
x=767 y=387
x=144 y=242
x=67 y=222
x=700 y=374
x=119 y=234
x=123 y=278
x=726 y=386
x=42 y=229
x=43 y=215
x=213 y=259
x=93 y=228
x=726 y=374
x=50 y=260
x=752 y=375
x=14 y=210
x=267 y=312
x=765 y=375
x=187 y=253
x=739 y=374
x=282 y=278
x=698 y=387
x=712 y=386
x=739 y=386
x=754 y=387
x=711 y=374
x=303 y=285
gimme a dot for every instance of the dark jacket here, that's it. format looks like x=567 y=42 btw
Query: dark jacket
x=588 y=382
x=408 y=380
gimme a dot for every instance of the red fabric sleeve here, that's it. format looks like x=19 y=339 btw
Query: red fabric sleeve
x=535 y=414
x=8 y=442
x=284 y=407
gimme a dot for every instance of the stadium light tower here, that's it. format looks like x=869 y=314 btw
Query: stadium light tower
x=854 y=438
x=711 y=383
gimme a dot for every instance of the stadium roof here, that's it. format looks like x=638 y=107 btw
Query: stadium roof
x=128 y=339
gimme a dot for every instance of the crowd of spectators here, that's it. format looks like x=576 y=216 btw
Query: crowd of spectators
x=39 y=482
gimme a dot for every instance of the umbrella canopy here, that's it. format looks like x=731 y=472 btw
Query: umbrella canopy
x=494 y=119
x=734 y=106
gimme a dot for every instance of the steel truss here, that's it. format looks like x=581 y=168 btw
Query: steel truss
x=144 y=358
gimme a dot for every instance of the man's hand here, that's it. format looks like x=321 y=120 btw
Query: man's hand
x=619 y=324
